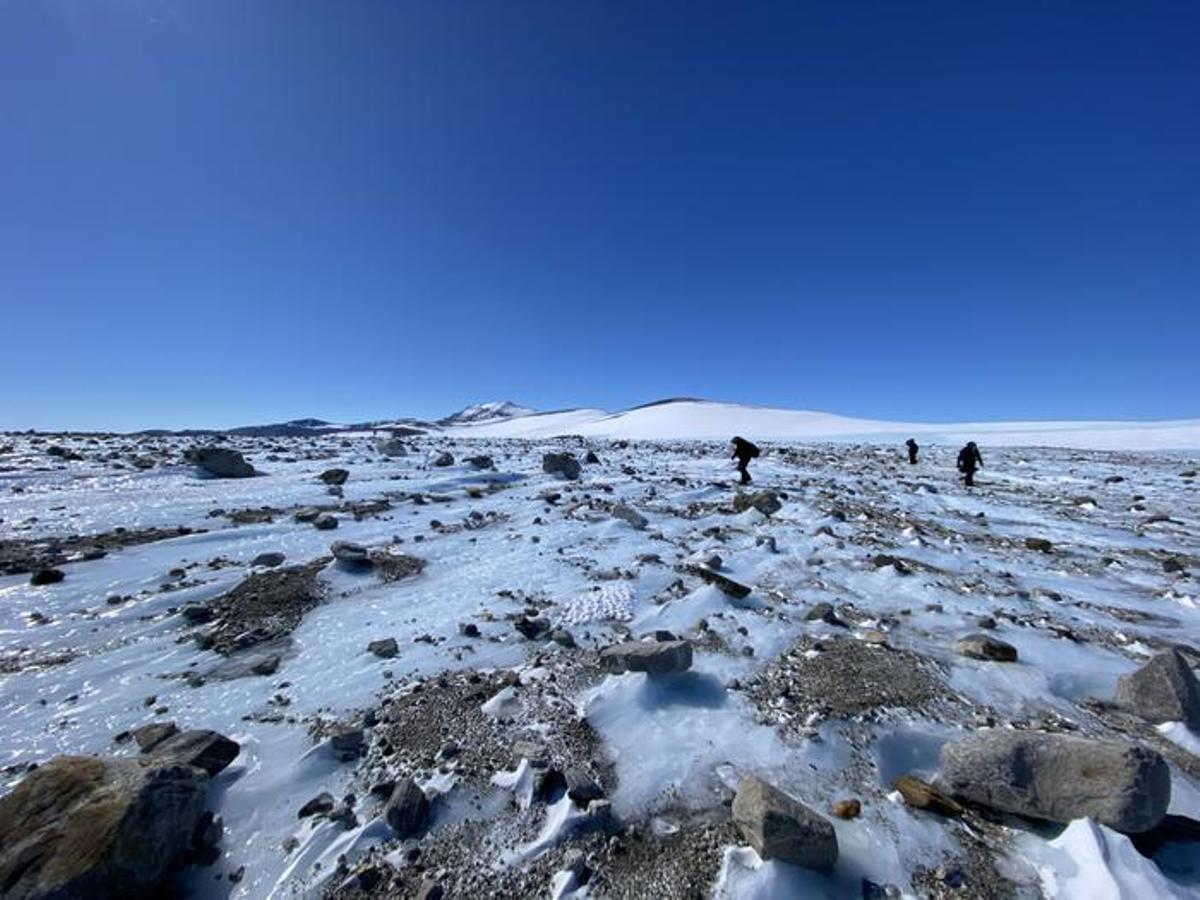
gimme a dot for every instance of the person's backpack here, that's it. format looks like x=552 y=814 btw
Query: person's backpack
x=754 y=451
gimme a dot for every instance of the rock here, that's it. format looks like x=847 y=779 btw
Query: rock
x=46 y=576
x=468 y=629
x=727 y=586
x=1163 y=690
x=564 y=465
x=1170 y=566
x=391 y=447
x=780 y=827
x=651 y=657
x=823 y=612
x=847 y=809
x=334 y=476
x=581 y=787
x=200 y=748
x=320 y=805
x=385 y=648
x=83 y=826
x=919 y=794
x=766 y=502
x=627 y=513
x=306 y=514
x=1059 y=777
x=407 y=809
x=983 y=646
x=347 y=741
x=269 y=560
x=563 y=638
x=1040 y=544
x=481 y=462
x=591 y=458
x=150 y=736
x=220 y=462
x=325 y=522
x=444 y=459
x=531 y=629
x=350 y=554
x=196 y=613
x=430 y=890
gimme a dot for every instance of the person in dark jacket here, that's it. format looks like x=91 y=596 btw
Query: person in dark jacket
x=912 y=451
x=743 y=452
x=968 y=461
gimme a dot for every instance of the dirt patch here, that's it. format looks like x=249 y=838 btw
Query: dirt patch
x=266 y=606
x=18 y=557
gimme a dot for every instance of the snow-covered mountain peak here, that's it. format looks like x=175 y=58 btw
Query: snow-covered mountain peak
x=487 y=412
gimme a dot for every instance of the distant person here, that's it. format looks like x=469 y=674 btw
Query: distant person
x=743 y=452
x=912 y=451
x=969 y=461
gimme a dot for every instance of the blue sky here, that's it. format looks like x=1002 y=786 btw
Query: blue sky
x=218 y=212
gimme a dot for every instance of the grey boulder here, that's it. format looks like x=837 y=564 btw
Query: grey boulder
x=220 y=462
x=780 y=827
x=983 y=646
x=564 y=465
x=627 y=513
x=1059 y=778
x=407 y=809
x=391 y=447
x=200 y=748
x=1163 y=690
x=651 y=657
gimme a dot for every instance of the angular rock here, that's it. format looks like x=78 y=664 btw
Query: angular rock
x=444 y=459
x=268 y=560
x=407 y=809
x=628 y=514
x=46 y=576
x=334 y=476
x=385 y=648
x=780 y=827
x=200 y=748
x=350 y=553
x=726 y=585
x=1163 y=690
x=651 y=657
x=220 y=462
x=150 y=736
x=391 y=447
x=481 y=462
x=564 y=465
x=1040 y=544
x=320 y=805
x=325 y=523
x=1059 y=777
x=83 y=826
x=921 y=795
x=766 y=502
x=983 y=646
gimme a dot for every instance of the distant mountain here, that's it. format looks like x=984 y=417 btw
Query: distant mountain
x=487 y=412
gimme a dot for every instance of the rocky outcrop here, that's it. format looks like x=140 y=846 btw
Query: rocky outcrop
x=651 y=657
x=1059 y=777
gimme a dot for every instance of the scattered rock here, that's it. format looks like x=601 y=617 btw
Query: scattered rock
x=320 y=805
x=444 y=459
x=350 y=554
x=1040 y=544
x=847 y=809
x=983 y=646
x=919 y=794
x=200 y=748
x=780 y=827
x=46 y=576
x=268 y=560
x=325 y=522
x=766 y=502
x=1059 y=777
x=385 y=648
x=220 y=462
x=150 y=736
x=391 y=447
x=334 y=476
x=481 y=462
x=628 y=514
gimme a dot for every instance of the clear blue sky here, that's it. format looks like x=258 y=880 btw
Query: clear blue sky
x=216 y=212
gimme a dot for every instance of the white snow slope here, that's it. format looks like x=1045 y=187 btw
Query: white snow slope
x=702 y=419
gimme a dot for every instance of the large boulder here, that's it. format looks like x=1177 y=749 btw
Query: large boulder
x=220 y=462
x=92 y=827
x=766 y=502
x=391 y=447
x=780 y=827
x=407 y=809
x=1059 y=777
x=1163 y=690
x=564 y=465
x=651 y=657
x=334 y=476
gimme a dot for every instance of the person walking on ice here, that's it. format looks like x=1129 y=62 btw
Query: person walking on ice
x=743 y=452
x=969 y=461
x=912 y=451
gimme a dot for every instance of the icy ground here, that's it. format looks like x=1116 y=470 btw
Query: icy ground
x=105 y=650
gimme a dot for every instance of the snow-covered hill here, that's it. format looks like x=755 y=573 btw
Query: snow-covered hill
x=487 y=412
x=701 y=419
